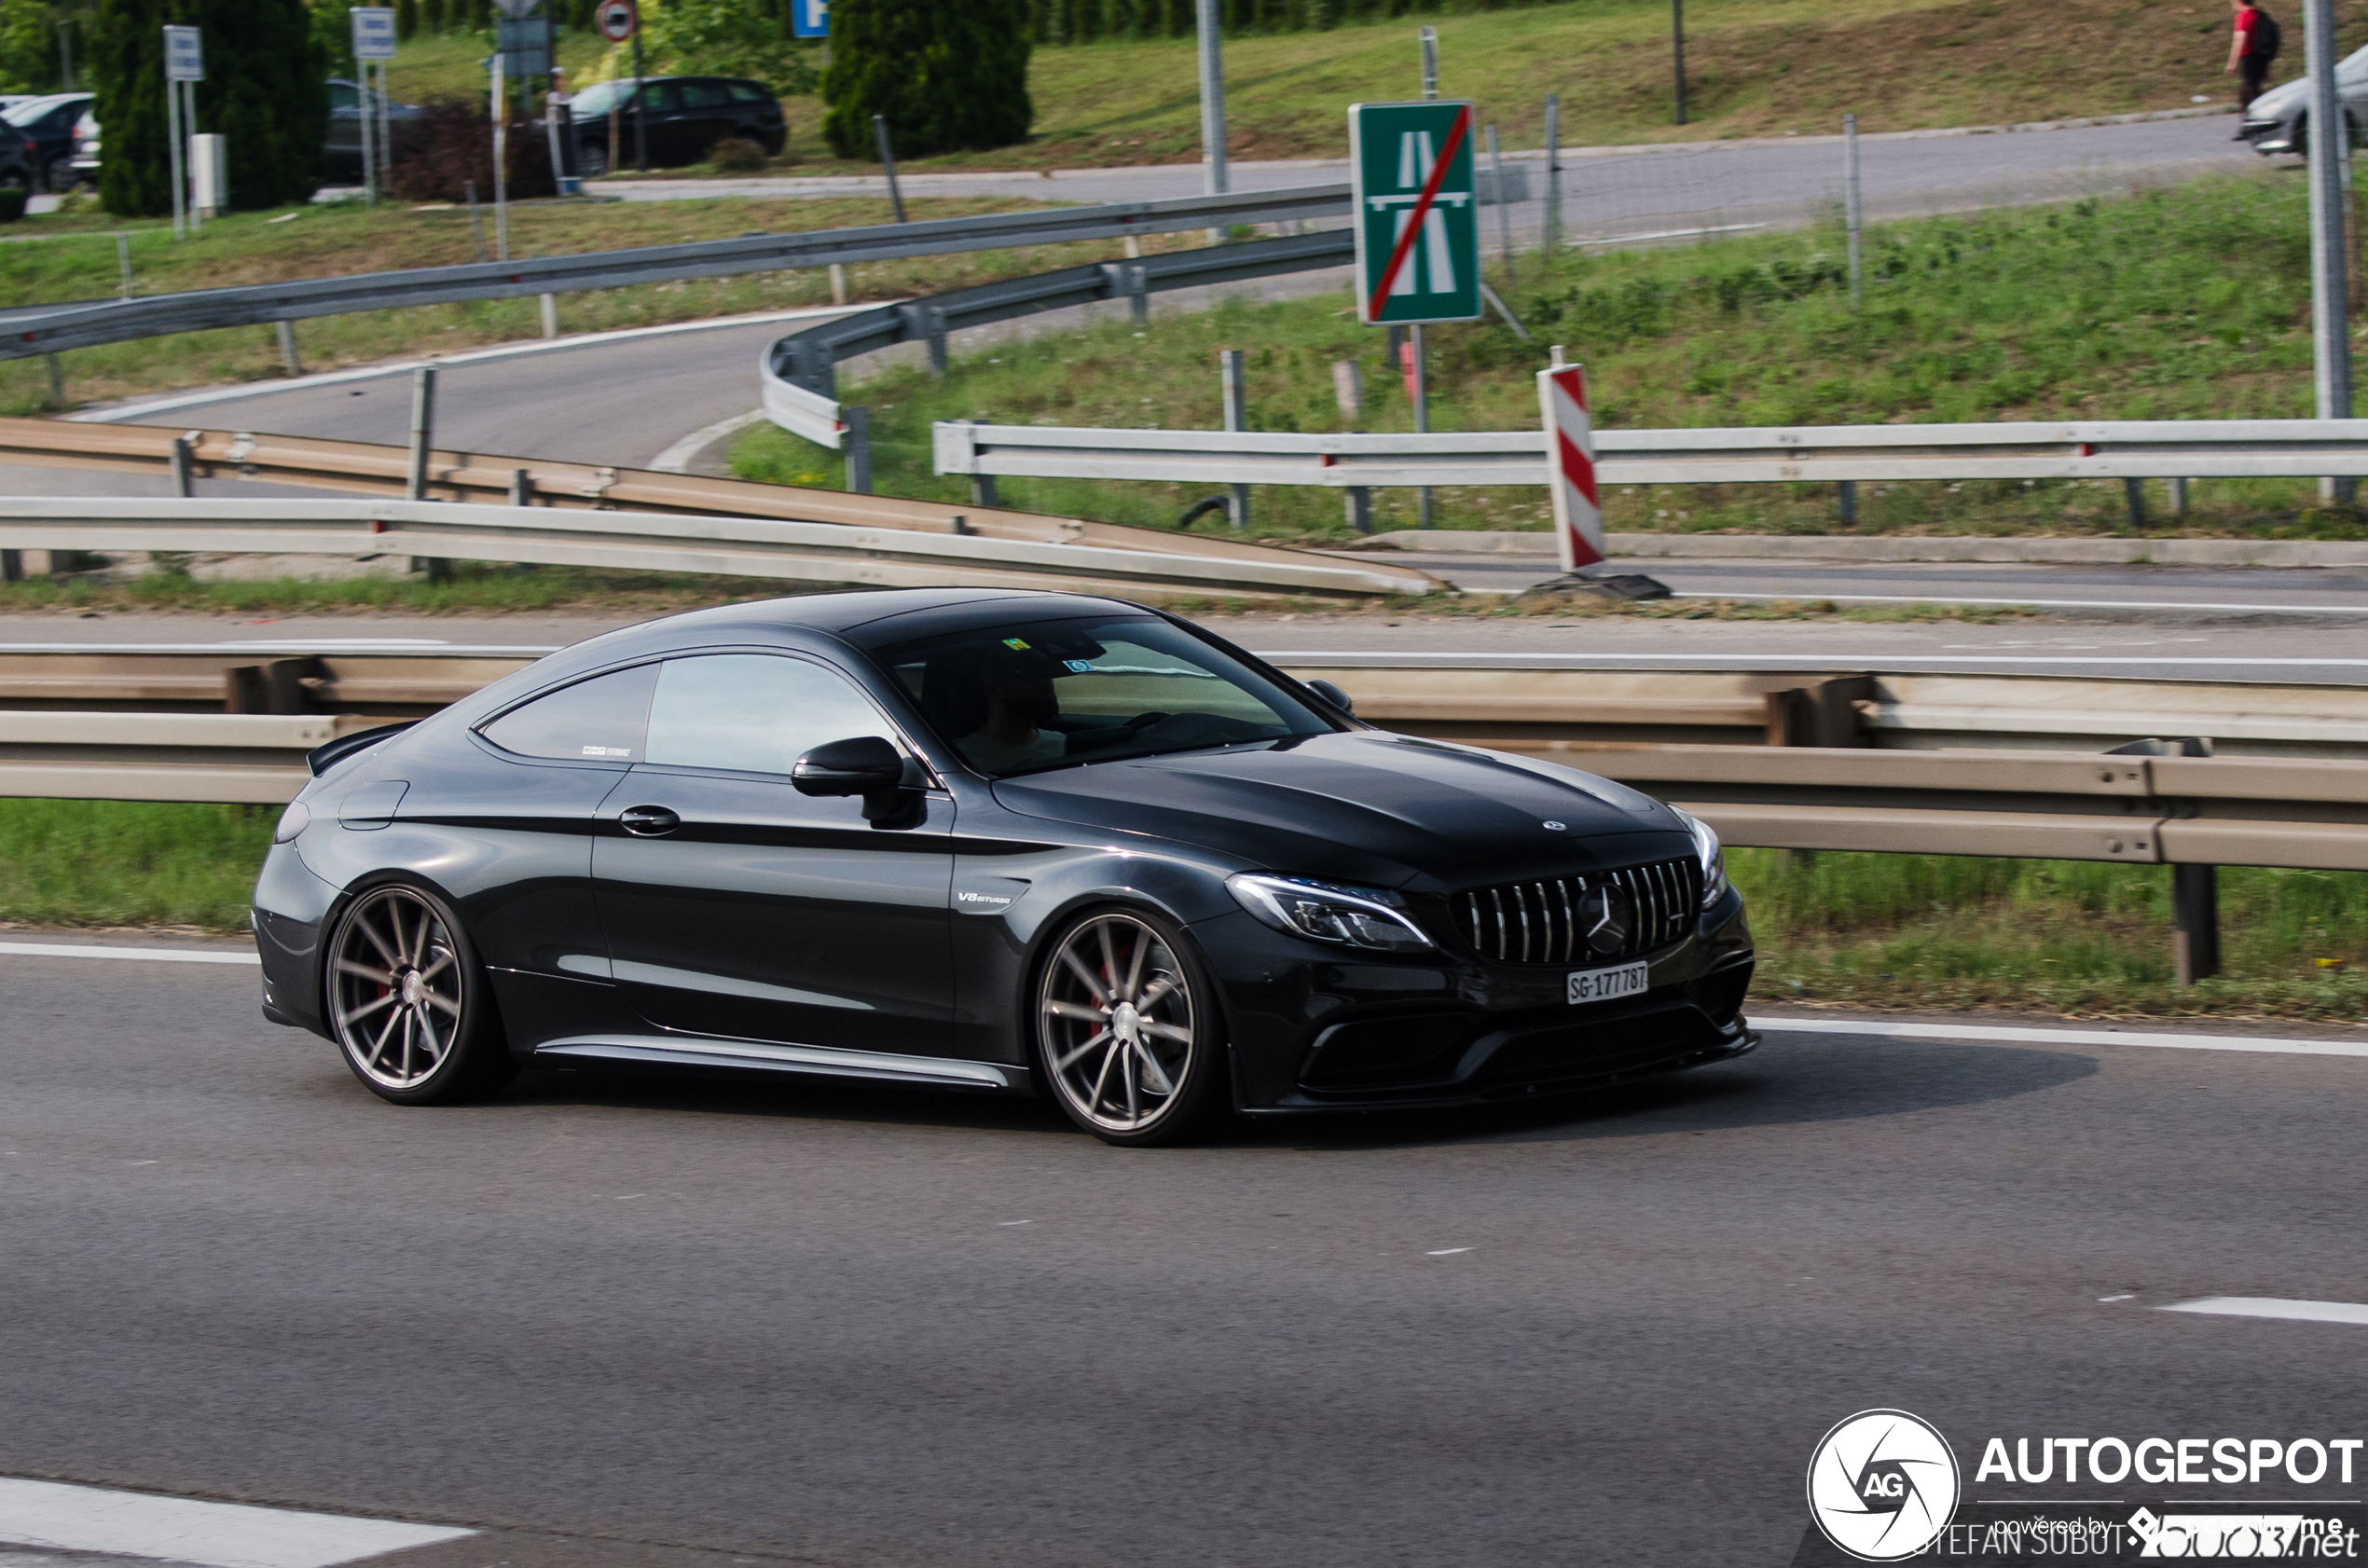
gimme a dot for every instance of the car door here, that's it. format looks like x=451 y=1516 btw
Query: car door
x=662 y=104
x=341 y=142
x=707 y=114
x=736 y=906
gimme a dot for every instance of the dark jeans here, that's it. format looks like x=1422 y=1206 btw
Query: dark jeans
x=2251 y=69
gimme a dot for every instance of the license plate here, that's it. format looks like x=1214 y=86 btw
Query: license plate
x=1602 y=985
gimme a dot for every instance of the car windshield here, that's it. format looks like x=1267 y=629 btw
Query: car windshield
x=597 y=98
x=1025 y=699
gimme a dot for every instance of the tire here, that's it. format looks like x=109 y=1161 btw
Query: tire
x=408 y=1003
x=591 y=160
x=58 y=177
x=1127 y=1034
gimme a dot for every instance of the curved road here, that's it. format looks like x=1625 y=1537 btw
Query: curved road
x=645 y=1323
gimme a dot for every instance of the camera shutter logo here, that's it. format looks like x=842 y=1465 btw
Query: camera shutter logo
x=1882 y=1485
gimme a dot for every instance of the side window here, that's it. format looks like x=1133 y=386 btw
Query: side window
x=344 y=97
x=753 y=712
x=659 y=98
x=748 y=92
x=701 y=96
x=601 y=719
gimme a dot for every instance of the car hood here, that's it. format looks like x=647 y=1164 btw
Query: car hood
x=1365 y=807
x=2293 y=98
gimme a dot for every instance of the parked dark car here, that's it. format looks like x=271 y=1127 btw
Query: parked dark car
x=687 y=117
x=50 y=122
x=986 y=840
x=341 y=144
x=19 y=158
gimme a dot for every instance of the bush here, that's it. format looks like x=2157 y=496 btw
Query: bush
x=948 y=75
x=266 y=91
x=11 y=203
x=451 y=144
x=736 y=155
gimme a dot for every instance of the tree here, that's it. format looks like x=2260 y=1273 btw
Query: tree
x=266 y=92
x=947 y=74
x=28 y=61
x=719 y=38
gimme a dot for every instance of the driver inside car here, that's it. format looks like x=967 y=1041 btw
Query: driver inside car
x=1021 y=706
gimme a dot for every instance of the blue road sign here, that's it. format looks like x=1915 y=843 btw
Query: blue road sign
x=810 y=19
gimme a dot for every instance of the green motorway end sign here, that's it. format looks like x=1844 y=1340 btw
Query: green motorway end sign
x=1417 y=212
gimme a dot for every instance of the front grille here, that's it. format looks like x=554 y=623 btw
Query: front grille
x=1546 y=922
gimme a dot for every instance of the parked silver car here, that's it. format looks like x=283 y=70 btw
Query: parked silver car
x=2279 y=121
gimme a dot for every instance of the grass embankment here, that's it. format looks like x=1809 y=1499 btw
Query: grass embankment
x=1885 y=930
x=472 y=589
x=343 y=238
x=1755 y=68
x=2189 y=303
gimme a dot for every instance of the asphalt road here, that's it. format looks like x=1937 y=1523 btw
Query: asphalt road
x=659 y=1322
x=1614 y=193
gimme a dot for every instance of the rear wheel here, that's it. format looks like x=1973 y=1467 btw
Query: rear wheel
x=592 y=160
x=60 y=175
x=410 y=1002
x=1126 y=1032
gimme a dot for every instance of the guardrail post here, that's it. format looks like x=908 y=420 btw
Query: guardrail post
x=1360 y=508
x=288 y=348
x=1228 y=361
x=2134 y=491
x=422 y=430
x=857 y=419
x=2179 y=496
x=2195 y=918
x=56 y=367
x=838 y=283
x=934 y=319
x=183 y=484
x=550 y=314
x=12 y=566
x=1846 y=503
x=521 y=488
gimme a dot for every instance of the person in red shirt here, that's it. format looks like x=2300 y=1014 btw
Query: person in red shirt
x=2249 y=64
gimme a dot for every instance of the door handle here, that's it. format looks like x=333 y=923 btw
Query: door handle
x=648 y=821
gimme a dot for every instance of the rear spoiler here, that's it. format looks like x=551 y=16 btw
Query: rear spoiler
x=321 y=759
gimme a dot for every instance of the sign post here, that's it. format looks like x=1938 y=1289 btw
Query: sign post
x=617 y=21
x=373 y=44
x=184 y=68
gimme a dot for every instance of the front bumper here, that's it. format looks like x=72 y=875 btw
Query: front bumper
x=1314 y=1029
x=2269 y=137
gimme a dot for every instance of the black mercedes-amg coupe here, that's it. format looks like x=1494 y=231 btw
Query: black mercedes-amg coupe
x=1004 y=842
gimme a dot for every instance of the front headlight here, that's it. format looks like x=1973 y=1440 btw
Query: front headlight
x=1351 y=917
x=1707 y=851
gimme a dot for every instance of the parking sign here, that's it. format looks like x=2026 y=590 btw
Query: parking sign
x=1417 y=214
x=373 y=32
x=810 y=19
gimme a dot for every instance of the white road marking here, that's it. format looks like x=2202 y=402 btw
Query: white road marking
x=2124 y=1297
x=2273 y=1306
x=1447 y=1252
x=152 y=955
x=677 y=458
x=475 y=356
x=2062 y=1037
x=182 y=1530
x=2038 y=603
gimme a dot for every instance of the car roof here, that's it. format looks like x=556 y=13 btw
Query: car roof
x=29 y=107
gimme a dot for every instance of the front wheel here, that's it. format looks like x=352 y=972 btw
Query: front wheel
x=410 y=1002
x=1126 y=1034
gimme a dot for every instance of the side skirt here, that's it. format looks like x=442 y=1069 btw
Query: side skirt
x=826 y=1061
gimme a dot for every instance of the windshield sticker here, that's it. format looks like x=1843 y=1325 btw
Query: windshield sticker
x=1078 y=666
x=1018 y=644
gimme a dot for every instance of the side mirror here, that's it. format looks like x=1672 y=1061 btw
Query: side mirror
x=865 y=765
x=1334 y=695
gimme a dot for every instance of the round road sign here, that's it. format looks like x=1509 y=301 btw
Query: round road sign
x=616 y=19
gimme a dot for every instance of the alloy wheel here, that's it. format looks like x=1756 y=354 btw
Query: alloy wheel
x=396 y=988
x=1115 y=1017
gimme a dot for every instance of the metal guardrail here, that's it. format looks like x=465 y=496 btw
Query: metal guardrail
x=86 y=325
x=2270 y=811
x=799 y=372
x=1843 y=454
x=657 y=542
x=183 y=456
